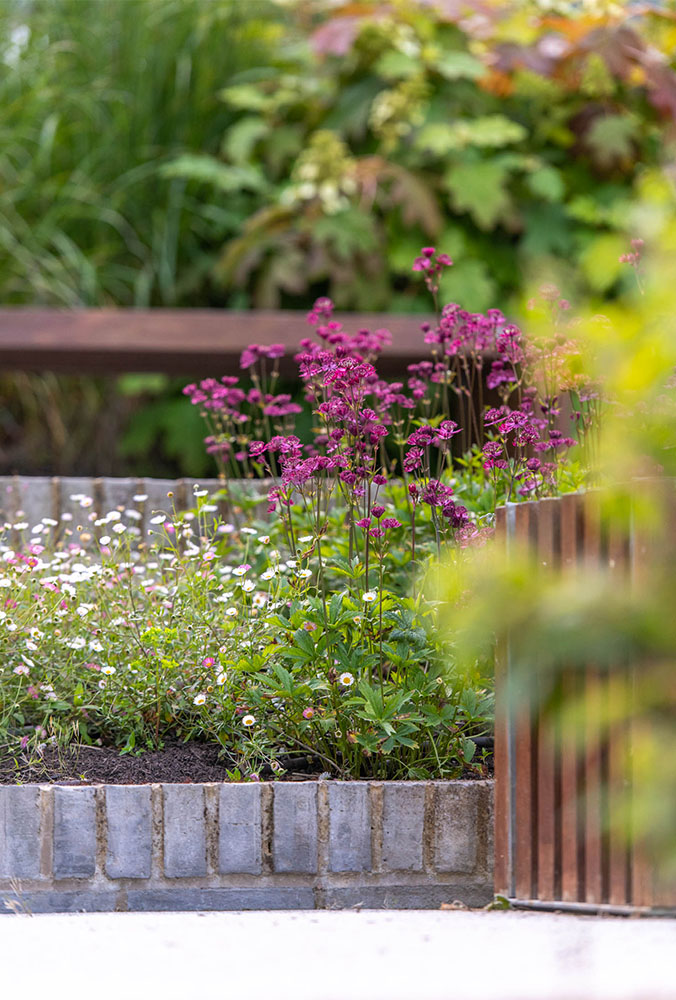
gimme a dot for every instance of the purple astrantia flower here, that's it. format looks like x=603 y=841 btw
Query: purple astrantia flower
x=388 y=523
x=255 y=352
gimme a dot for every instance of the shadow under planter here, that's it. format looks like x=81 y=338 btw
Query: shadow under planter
x=287 y=845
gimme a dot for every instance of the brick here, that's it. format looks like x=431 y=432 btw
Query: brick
x=455 y=826
x=487 y=824
x=158 y=502
x=184 y=831
x=239 y=829
x=129 y=826
x=294 y=842
x=35 y=498
x=476 y=892
x=19 y=831
x=254 y=898
x=74 y=832
x=72 y=486
x=118 y=492
x=349 y=827
x=403 y=825
x=87 y=901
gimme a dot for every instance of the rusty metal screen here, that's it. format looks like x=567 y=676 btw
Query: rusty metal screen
x=556 y=843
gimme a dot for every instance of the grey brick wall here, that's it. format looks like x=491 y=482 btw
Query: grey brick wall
x=287 y=845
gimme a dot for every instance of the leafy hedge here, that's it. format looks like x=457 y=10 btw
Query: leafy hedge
x=261 y=154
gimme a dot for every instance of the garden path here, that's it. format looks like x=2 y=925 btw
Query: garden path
x=368 y=955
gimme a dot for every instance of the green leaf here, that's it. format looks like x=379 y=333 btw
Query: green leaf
x=611 y=138
x=469 y=283
x=459 y=66
x=547 y=182
x=285 y=678
x=335 y=606
x=600 y=261
x=395 y=65
x=547 y=231
x=303 y=641
x=208 y=170
x=479 y=188
x=240 y=139
x=246 y=96
x=137 y=383
x=490 y=131
x=347 y=233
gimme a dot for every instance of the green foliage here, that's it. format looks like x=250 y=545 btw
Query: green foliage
x=109 y=116
x=135 y=156
x=221 y=634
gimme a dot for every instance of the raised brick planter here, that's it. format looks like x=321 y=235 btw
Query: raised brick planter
x=289 y=845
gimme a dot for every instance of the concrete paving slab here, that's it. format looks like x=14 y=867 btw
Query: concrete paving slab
x=367 y=955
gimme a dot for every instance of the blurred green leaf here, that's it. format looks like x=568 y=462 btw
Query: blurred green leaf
x=479 y=188
x=207 y=170
x=240 y=139
x=459 y=66
x=395 y=65
x=547 y=182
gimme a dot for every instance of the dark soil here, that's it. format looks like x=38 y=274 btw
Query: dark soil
x=181 y=763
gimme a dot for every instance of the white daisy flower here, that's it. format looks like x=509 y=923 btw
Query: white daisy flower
x=158 y=519
x=221 y=679
x=199 y=699
x=108 y=670
x=248 y=586
x=369 y=596
x=304 y=574
x=241 y=570
x=268 y=574
x=248 y=531
x=231 y=612
x=248 y=721
x=346 y=679
x=140 y=497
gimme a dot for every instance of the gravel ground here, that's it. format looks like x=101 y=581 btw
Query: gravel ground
x=368 y=955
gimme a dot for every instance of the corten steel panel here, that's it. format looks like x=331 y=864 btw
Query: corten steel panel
x=546 y=513
x=642 y=870
x=525 y=832
x=618 y=748
x=587 y=863
x=502 y=877
x=593 y=737
x=570 y=824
